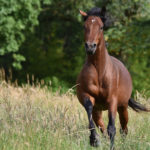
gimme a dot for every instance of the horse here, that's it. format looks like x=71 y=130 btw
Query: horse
x=104 y=83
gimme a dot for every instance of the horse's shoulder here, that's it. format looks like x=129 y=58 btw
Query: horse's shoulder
x=88 y=80
x=88 y=69
x=88 y=74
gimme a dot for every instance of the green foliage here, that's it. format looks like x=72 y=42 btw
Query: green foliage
x=17 y=18
x=18 y=59
x=139 y=60
x=56 y=85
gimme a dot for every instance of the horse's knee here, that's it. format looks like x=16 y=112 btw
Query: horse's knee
x=88 y=106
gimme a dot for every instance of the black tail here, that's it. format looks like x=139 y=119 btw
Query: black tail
x=137 y=106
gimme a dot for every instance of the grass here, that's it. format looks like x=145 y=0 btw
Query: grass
x=33 y=118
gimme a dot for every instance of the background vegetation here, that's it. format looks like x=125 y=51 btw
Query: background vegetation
x=44 y=38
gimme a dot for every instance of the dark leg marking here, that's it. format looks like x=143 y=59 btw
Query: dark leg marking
x=111 y=129
x=94 y=138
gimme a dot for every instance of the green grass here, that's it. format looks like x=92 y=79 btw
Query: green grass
x=33 y=118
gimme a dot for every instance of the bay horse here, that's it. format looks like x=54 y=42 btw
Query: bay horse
x=104 y=83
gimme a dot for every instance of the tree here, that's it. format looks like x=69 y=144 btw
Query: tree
x=16 y=18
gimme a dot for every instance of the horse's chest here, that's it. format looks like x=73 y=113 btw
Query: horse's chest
x=98 y=90
x=93 y=84
x=101 y=93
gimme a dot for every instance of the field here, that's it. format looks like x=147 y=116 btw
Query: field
x=33 y=118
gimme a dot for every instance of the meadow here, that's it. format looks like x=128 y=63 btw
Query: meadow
x=35 y=118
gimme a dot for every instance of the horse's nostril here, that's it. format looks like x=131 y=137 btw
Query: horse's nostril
x=90 y=45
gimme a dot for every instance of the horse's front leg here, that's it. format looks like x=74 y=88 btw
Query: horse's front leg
x=111 y=129
x=94 y=138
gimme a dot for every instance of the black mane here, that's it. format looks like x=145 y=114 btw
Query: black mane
x=94 y=12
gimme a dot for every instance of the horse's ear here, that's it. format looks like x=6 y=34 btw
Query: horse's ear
x=84 y=14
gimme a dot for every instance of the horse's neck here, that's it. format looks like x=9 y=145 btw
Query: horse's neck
x=100 y=59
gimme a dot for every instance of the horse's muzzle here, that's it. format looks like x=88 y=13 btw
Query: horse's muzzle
x=90 y=48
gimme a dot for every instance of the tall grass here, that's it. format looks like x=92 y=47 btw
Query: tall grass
x=33 y=118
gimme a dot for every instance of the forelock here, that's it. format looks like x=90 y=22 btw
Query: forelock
x=95 y=12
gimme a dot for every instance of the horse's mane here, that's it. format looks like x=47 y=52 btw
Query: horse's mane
x=94 y=12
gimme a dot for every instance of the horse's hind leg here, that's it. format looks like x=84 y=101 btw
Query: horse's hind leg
x=97 y=117
x=123 y=116
x=94 y=138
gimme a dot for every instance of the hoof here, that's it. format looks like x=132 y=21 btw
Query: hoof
x=124 y=132
x=112 y=148
x=105 y=135
x=94 y=141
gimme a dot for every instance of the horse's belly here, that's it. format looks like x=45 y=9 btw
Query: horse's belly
x=101 y=104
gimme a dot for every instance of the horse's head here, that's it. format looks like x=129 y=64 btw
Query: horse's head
x=93 y=24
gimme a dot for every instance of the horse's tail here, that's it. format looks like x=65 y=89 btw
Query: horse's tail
x=137 y=106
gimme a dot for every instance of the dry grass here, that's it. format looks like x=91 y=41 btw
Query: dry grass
x=35 y=118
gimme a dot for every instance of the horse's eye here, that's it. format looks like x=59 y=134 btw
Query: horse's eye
x=101 y=28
